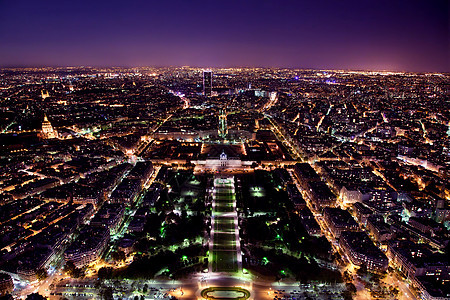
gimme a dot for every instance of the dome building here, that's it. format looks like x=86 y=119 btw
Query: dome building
x=48 y=132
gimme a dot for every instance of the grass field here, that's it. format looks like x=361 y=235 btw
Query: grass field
x=223 y=224
x=224 y=261
x=224 y=241
x=224 y=256
x=223 y=208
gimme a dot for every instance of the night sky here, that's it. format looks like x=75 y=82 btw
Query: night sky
x=410 y=35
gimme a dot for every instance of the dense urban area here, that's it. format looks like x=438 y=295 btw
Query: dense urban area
x=238 y=183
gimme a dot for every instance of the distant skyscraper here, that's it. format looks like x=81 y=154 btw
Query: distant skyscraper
x=207 y=82
x=47 y=130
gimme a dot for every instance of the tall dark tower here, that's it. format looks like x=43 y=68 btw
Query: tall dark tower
x=207 y=82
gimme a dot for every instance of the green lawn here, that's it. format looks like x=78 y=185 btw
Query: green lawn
x=224 y=207
x=223 y=197
x=224 y=256
x=224 y=238
x=224 y=224
x=224 y=261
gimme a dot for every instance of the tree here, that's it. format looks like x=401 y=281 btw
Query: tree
x=347 y=276
x=375 y=278
x=106 y=293
x=395 y=291
x=41 y=274
x=118 y=256
x=347 y=295
x=351 y=288
x=122 y=256
x=72 y=270
x=104 y=273
x=35 y=296
x=362 y=270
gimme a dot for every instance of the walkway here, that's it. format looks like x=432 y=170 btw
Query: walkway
x=224 y=245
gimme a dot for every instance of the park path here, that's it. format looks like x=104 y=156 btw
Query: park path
x=224 y=245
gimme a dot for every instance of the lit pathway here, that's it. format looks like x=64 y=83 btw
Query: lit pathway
x=224 y=245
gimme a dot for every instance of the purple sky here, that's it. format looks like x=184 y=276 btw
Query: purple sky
x=410 y=35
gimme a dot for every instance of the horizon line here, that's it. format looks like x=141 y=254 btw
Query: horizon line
x=216 y=67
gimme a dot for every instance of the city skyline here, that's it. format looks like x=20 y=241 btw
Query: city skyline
x=181 y=183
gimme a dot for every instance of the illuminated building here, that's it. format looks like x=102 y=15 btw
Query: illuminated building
x=89 y=246
x=339 y=220
x=361 y=251
x=378 y=228
x=417 y=260
x=48 y=132
x=110 y=216
x=362 y=212
x=44 y=94
x=296 y=197
x=207 y=82
x=224 y=161
x=33 y=260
